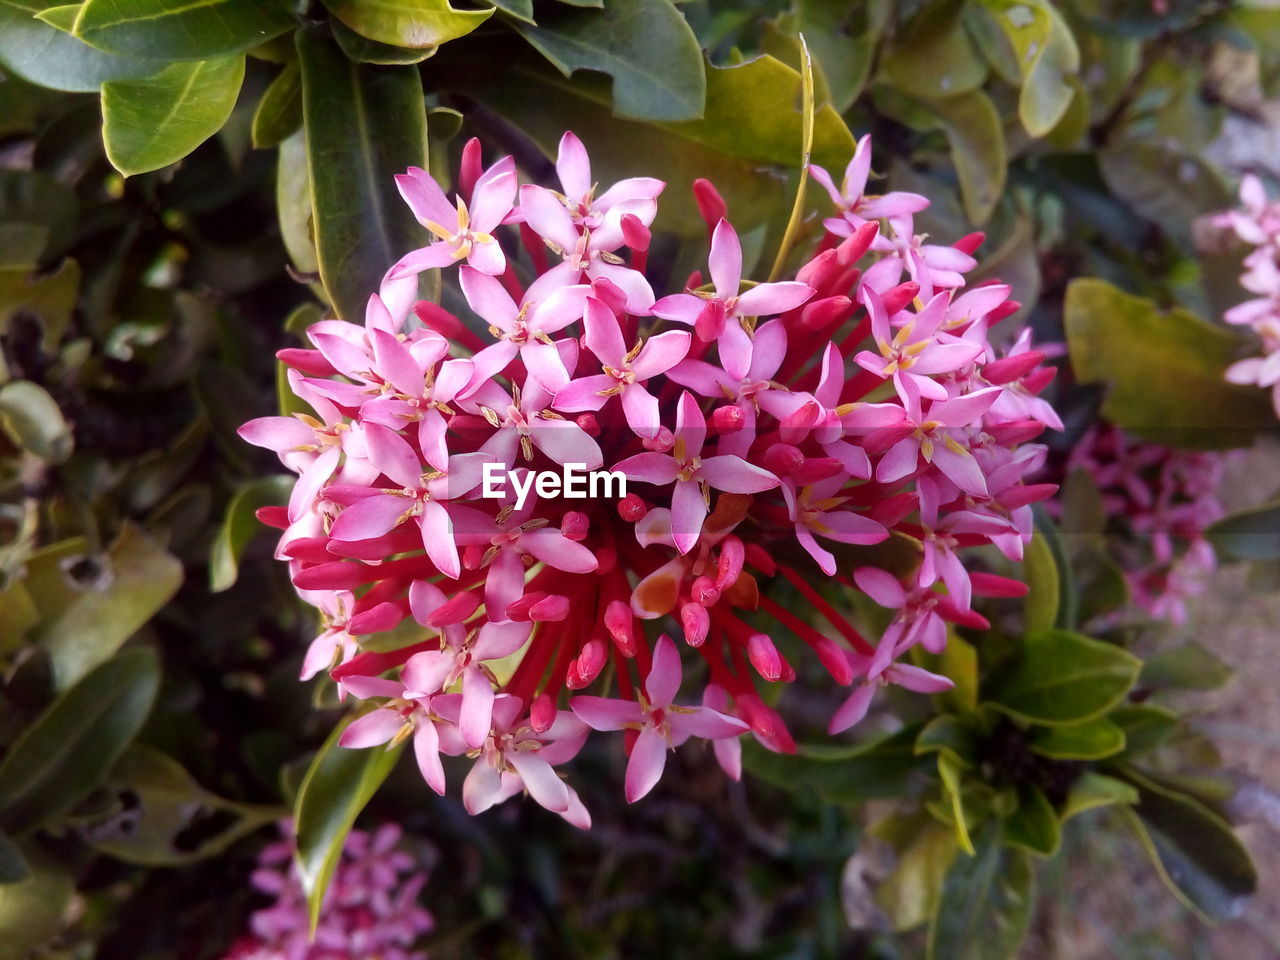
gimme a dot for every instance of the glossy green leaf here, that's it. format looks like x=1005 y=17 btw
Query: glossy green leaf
x=1033 y=826
x=170 y=805
x=279 y=113
x=363 y=50
x=140 y=578
x=293 y=206
x=1093 y=790
x=720 y=146
x=842 y=774
x=843 y=39
x=363 y=125
x=1145 y=725
x=13 y=865
x=32 y=912
x=932 y=55
x=985 y=905
x=47 y=56
x=407 y=23
x=1252 y=534
x=336 y=788
x=1091 y=740
x=35 y=197
x=951 y=775
x=192 y=30
x=61 y=758
x=976 y=136
x=1163 y=371
x=644 y=45
x=149 y=124
x=1064 y=678
x=1188 y=666
x=1040 y=605
x=909 y=895
x=34 y=422
x=1047 y=55
x=1165 y=183
x=521 y=9
x=948 y=734
x=240 y=525
x=1195 y=851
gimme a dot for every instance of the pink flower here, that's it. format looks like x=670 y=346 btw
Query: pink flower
x=855 y=205
x=711 y=316
x=661 y=724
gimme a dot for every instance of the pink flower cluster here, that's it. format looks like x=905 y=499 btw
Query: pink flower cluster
x=768 y=432
x=370 y=908
x=1161 y=500
x=1258 y=223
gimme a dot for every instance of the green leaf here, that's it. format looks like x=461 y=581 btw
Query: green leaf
x=976 y=136
x=62 y=757
x=279 y=113
x=909 y=895
x=13 y=865
x=1063 y=678
x=959 y=662
x=140 y=578
x=1040 y=605
x=985 y=905
x=336 y=788
x=1252 y=534
x=1033 y=826
x=50 y=297
x=1164 y=183
x=1164 y=371
x=34 y=422
x=1188 y=666
x=1145 y=725
x=842 y=774
x=62 y=17
x=170 y=804
x=191 y=30
x=1195 y=851
x=844 y=52
x=1047 y=55
x=293 y=206
x=48 y=57
x=1093 y=790
x=32 y=911
x=363 y=50
x=721 y=146
x=932 y=56
x=36 y=198
x=1091 y=740
x=407 y=23
x=949 y=772
x=240 y=525
x=363 y=125
x=521 y=9
x=951 y=735
x=644 y=45
x=149 y=124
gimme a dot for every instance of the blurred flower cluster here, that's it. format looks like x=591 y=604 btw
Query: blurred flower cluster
x=760 y=426
x=370 y=908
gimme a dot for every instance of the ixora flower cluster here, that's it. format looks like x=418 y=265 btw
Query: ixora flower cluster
x=769 y=432
x=370 y=907
x=1161 y=501
x=1258 y=224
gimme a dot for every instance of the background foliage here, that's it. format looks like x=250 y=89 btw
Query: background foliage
x=184 y=187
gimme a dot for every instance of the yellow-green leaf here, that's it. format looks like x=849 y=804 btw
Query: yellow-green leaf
x=407 y=23
x=165 y=30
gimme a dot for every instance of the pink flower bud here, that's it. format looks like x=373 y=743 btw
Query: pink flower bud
x=823 y=314
x=835 y=658
x=376 y=619
x=696 y=622
x=470 y=169
x=542 y=713
x=993 y=585
x=277 y=517
x=1012 y=368
x=610 y=294
x=818 y=269
x=899 y=297
x=705 y=592
x=711 y=320
x=454 y=610
x=662 y=443
x=550 y=608
x=631 y=508
x=783 y=459
x=760 y=558
x=855 y=247
x=727 y=419
x=574 y=525
x=310 y=362
x=589 y=424
x=621 y=626
x=519 y=610
x=588 y=664
x=729 y=566
x=711 y=205
x=1019 y=431
x=970 y=242
x=764 y=657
